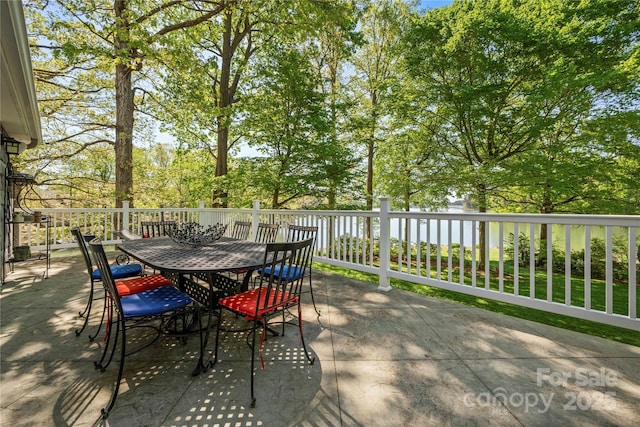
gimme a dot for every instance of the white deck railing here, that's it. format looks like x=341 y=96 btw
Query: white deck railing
x=427 y=248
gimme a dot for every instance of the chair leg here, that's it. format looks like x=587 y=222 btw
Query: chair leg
x=86 y=312
x=218 y=329
x=113 y=348
x=313 y=300
x=304 y=345
x=200 y=367
x=104 y=310
x=253 y=356
x=88 y=306
x=99 y=364
x=114 y=394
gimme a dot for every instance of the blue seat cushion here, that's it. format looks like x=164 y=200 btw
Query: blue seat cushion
x=154 y=301
x=285 y=272
x=120 y=271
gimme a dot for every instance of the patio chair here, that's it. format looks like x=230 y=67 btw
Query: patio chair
x=118 y=272
x=294 y=234
x=157 y=228
x=240 y=230
x=273 y=295
x=267 y=233
x=150 y=308
x=303 y=232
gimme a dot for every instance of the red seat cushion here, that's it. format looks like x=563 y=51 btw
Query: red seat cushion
x=141 y=284
x=245 y=303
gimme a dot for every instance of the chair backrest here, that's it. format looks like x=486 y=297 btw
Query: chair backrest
x=157 y=228
x=301 y=232
x=103 y=265
x=240 y=230
x=282 y=274
x=267 y=233
x=83 y=248
x=105 y=271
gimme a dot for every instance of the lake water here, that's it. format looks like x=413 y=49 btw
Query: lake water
x=430 y=232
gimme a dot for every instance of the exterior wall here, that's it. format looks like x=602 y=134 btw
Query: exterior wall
x=4 y=214
x=19 y=116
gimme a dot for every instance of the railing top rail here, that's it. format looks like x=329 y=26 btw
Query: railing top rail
x=568 y=219
x=630 y=220
x=320 y=212
x=97 y=210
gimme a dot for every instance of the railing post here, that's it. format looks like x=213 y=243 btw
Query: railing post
x=255 y=219
x=125 y=215
x=202 y=218
x=384 y=283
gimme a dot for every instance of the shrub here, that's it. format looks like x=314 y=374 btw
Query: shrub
x=524 y=253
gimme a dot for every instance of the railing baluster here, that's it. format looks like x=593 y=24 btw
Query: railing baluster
x=450 y=250
x=532 y=261
x=428 y=269
x=474 y=255
x=418 y=247
x=549 y=264
x=587 y=267
x=516 y=259
x=567 y=265
x=501 y=257
x=487 y=265
x=609 y=270
x=462 y=250
x=438 y=249
x=633 y=288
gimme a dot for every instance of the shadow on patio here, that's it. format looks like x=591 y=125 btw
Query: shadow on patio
x=382 y=359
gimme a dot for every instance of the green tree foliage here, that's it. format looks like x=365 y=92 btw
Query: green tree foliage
x=112 y=39
x=289 y=132
x=581 y=162
x=75 y=98
x=205 y=69
x=375 y=68
x=521 y=89
x=528 y=106
x=514 y=83
x=329 y=53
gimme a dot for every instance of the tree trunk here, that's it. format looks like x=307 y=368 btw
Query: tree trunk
x=371 y=149
x=547 y=208
x=369 y=195
x=274 y=199
x=220 y=195
x=482 y=208
x=124 y=112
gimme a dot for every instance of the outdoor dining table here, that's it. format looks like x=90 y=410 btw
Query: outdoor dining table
x=192 y=268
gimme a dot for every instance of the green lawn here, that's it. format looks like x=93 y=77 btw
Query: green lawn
x=613 y=333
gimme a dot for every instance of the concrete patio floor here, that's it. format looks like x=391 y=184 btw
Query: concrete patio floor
x=382 y=359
